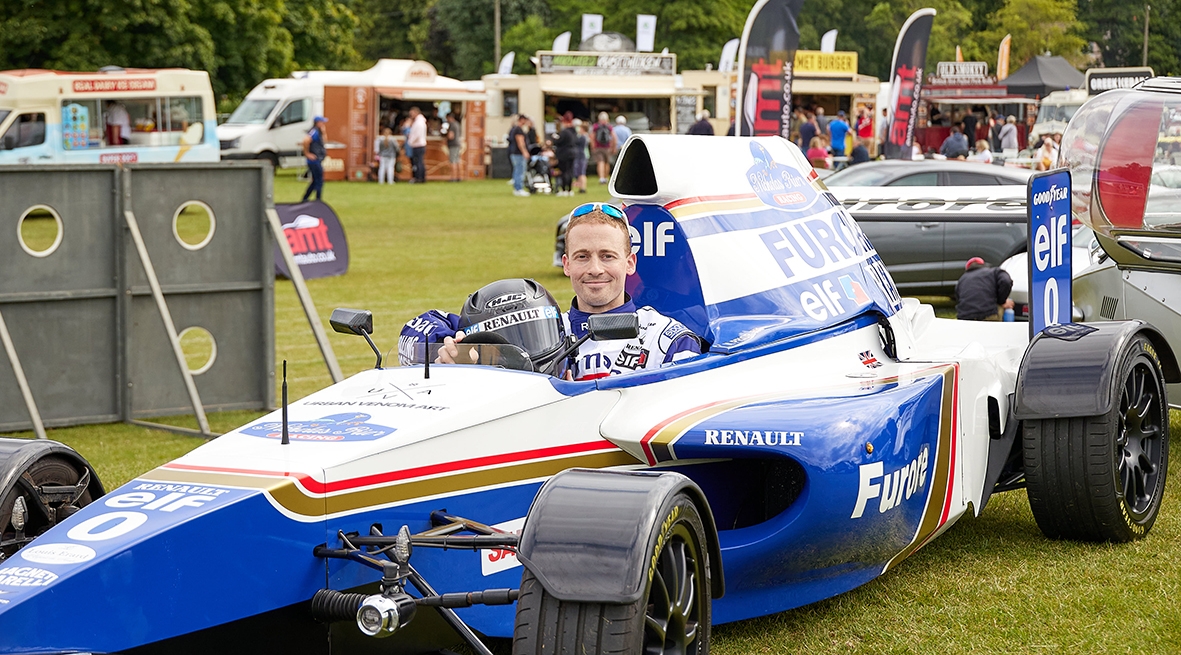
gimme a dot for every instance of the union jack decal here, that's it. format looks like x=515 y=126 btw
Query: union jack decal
x=869 y=360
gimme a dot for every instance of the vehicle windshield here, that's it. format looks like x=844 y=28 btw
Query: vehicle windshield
x=859 y=176
x=1124 y=154
x=4 y=114
x=484 y=354
x=252 y=112
x=1056 y=113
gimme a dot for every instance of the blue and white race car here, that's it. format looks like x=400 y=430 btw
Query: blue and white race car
x=830 y=430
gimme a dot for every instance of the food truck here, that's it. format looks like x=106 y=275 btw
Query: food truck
x=646 y=89
x=961 y=87
x=643 y=87
x=114 y=115
x=357 y=107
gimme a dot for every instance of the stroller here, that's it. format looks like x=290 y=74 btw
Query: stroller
x=537 y=171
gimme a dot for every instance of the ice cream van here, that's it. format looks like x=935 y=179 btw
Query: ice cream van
x=115 y=115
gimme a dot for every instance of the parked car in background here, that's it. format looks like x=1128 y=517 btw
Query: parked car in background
x=927 y=172
x=925 y=235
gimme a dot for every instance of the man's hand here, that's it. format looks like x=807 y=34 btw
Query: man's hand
x=1008 y=304
x=449 y=353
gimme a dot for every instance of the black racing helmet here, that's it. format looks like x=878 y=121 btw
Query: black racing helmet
x=524 y=314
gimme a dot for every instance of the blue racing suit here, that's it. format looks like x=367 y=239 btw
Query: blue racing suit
x=661 y=341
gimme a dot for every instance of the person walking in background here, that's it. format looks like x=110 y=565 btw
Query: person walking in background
x=602 y=145
x=837 y=129
x=454 y=144
x=581 y=154
x=564 y=148
x=1008 y=134
x=622 y=131
x=863 y=125
x=518 y=154
x=970 y=122
x=821 y=121
x=702 y=126
x=314 y=153
x=982 y=294
x=416 y=144
x=808 y=130
x=386 y=149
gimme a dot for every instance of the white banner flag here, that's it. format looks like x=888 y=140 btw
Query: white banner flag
x=506 y=64
x=645 y=32
x=729 y=56
x=562 y=43
x=592 y=24
x=828 y=42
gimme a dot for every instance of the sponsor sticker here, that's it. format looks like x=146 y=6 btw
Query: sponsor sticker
x=497 y=560
x=352 y=426
x=57 y=553
x=869 y=360
x=25 y=576
x=778 y=185
x=119 y=158
x=506 y=299
x=894 y=486
x=516 y=318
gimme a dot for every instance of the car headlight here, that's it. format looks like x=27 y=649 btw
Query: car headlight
x=381 y=616
x=231 y=144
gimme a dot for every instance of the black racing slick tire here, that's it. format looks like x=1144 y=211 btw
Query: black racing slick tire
x=671 y=616
x=1101 y=478
x=51 y=471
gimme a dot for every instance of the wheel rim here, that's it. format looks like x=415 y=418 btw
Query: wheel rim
x=674 y=605
x=1140 y=438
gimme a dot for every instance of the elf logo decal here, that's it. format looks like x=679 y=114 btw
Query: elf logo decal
x=894 y=487
x=661 y=240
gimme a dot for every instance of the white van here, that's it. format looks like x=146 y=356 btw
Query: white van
x=272 y=121
x=1055 y=111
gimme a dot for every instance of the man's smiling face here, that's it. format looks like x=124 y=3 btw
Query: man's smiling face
x=598 y=260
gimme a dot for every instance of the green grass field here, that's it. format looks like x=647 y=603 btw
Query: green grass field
x=989 y=585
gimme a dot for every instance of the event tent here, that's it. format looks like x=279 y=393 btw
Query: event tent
x=1042 y=75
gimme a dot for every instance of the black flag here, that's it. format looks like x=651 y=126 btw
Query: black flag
x=765 y=59
x=910 y=55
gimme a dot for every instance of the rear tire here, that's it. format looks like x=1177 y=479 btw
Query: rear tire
x=1101 y=478
x=45 y=471
x=671 y=616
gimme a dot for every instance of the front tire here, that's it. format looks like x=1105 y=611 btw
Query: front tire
x=1101 y=478
x=48 y=471
x=671 y=616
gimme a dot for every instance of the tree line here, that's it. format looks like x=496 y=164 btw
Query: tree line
x=242 y=42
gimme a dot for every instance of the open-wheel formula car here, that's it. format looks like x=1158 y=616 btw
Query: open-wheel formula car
x=829 y=430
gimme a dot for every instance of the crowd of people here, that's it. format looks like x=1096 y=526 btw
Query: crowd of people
x=560 y=162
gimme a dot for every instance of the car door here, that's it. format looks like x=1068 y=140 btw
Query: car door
x=965 y=237
x=909 y=243
x=290 y=126
x=26 y=142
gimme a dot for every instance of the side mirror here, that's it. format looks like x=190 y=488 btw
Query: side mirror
x=605 y=327
x=352 y=321
x=355 y=321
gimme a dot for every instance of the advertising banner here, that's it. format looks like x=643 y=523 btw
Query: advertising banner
x=906 y=82
x=765 y=60
x=729 y=56
x=1002 y=58
x=645 y=32
x=316 y=238
x=592 y=24
x=1106 y=79
x=1050 y=300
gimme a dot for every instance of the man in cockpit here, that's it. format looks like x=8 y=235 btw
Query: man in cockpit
x=598 y=260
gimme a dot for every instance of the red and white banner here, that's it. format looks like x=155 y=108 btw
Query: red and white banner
x=910 y=56
x=765 y=59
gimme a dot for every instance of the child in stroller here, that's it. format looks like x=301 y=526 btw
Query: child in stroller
x=537 y=171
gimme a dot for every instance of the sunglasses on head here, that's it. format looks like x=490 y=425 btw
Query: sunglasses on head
x=606 y=208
